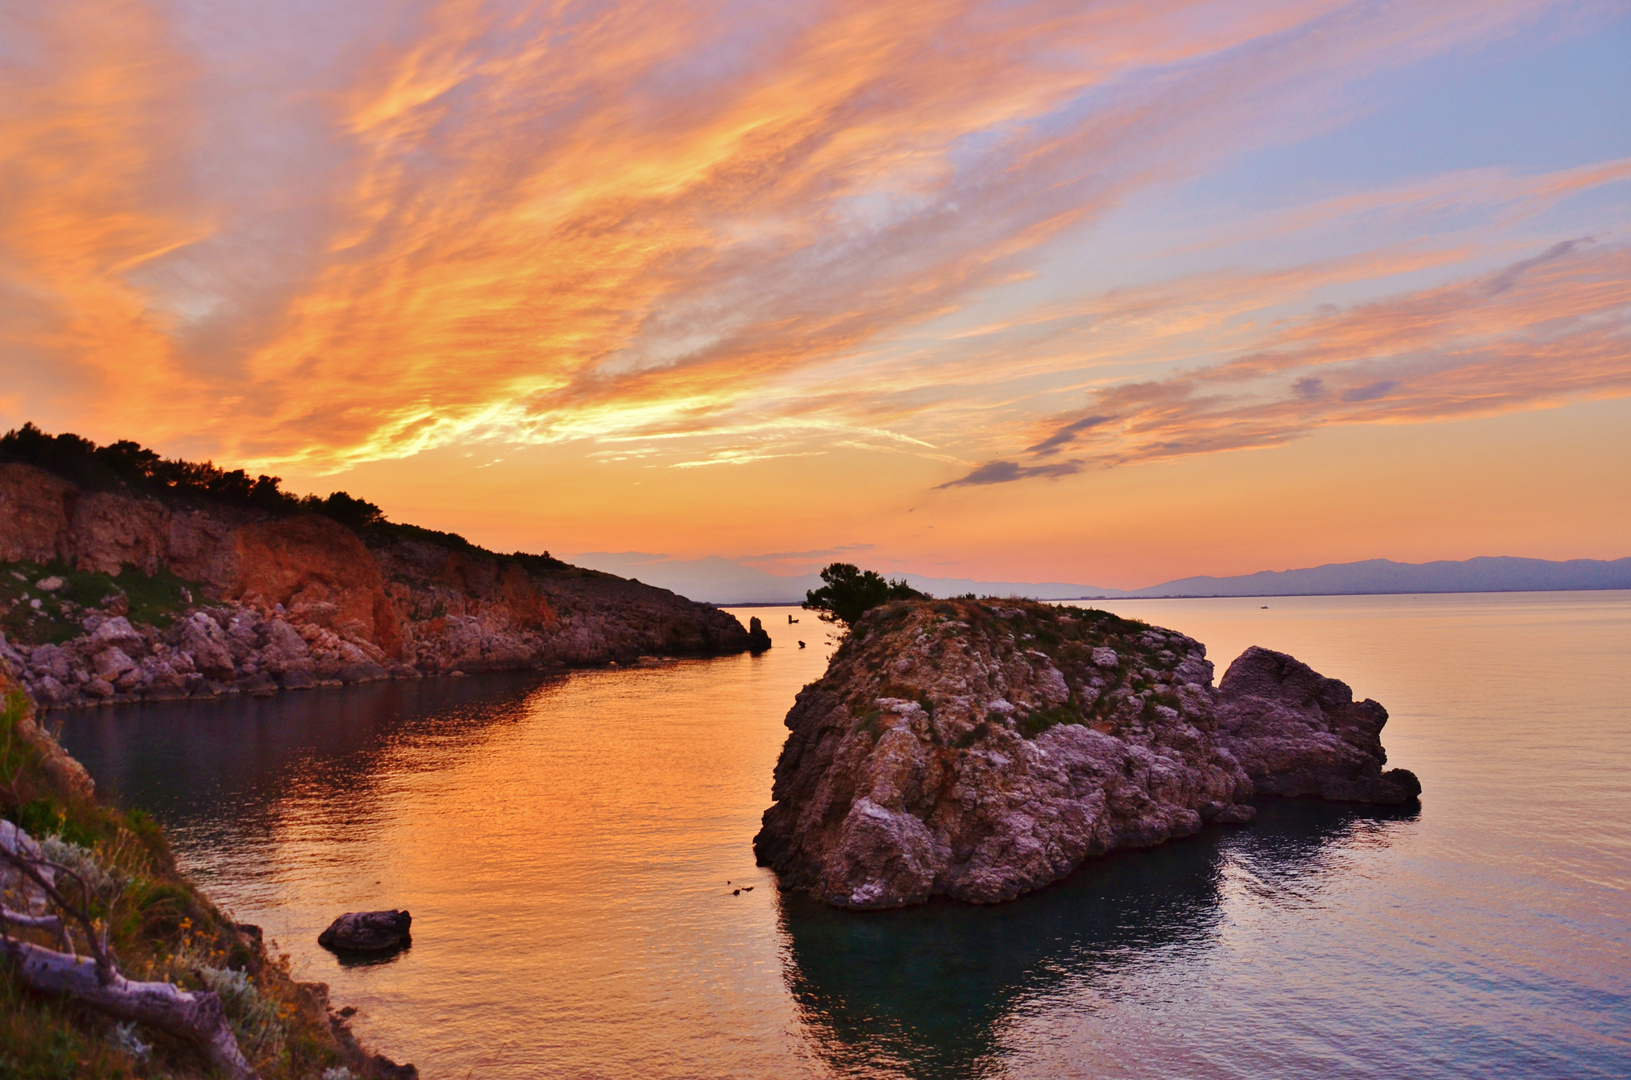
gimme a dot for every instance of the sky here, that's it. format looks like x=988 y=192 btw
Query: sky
x=1031 y=291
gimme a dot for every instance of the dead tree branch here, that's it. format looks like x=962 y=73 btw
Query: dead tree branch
x=195 y=1016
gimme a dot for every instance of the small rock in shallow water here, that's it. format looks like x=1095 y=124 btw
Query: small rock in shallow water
x=367 y=931
x=758 y=638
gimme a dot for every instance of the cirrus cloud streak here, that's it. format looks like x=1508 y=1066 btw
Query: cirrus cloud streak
x=464 y=220
x=1539 y=332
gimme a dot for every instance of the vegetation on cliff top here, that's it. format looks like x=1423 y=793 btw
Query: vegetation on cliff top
x=131 y=466
x=851 y=592
x=128 y=466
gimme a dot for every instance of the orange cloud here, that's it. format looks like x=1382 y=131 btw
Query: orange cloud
x=1541 y=331
x=644 y=223
x=97 y=118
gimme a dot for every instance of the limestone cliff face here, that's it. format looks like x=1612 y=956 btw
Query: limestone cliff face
x=296 y=601
x=316 y=569
x=982 y=750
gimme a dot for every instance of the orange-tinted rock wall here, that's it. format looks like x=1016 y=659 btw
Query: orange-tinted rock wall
x=308 y=603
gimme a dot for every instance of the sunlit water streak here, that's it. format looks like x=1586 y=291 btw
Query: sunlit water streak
x=565 y=846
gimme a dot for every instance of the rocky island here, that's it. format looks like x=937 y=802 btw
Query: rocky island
x=125 y=578
x=980 y=750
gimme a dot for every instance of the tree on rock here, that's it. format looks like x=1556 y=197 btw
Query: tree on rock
x=851 y=592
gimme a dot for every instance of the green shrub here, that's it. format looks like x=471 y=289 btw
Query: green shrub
x=1033 y=724
x=257 y=1020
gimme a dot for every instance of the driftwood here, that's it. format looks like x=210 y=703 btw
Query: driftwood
x=194 y=1016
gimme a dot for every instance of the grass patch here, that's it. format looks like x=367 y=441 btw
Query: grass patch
x=1170 y=700
x=42 y=1039
x=978 y=732
x=908 y=693
x=153 y=599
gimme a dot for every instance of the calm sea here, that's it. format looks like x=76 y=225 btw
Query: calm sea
x=569 y=849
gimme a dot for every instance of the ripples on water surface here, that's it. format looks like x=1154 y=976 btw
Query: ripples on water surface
x=564 y=846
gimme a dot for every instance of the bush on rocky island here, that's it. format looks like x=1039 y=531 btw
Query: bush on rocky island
x=851 y=592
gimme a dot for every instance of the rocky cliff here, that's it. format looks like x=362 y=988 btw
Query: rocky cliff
x=982 y=750
x=114 y=596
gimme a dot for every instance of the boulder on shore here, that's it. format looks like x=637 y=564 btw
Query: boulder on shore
x=367 y=931
x=980 y=750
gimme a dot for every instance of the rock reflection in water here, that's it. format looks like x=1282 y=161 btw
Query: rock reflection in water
x=220 y=772
x=930 y=991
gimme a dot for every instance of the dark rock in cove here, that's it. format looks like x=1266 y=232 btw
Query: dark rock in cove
x=381 y=1067
x=259 y=684
x=980 y=751
x=758 y=639
x=367 y=931
x=1298 y=733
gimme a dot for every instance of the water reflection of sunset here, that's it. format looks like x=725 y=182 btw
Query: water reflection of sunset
x=569 y=849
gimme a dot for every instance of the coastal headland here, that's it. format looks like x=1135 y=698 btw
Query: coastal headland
x=114 y=593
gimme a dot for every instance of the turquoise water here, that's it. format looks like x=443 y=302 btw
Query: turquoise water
x=565 y=846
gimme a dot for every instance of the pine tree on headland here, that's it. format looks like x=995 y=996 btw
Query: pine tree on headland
x=851 y=592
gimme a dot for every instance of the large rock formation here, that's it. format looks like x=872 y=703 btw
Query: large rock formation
x=981 y=750
x=1297 y=732
x=263 y=602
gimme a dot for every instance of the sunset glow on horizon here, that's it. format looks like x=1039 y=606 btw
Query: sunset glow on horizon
x=1044 y=291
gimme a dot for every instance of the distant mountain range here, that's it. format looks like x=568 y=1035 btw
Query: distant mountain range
x=1485 y=574
x=728 y=581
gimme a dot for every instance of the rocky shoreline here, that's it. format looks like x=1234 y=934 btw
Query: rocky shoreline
x=981 y=750
x=110 y=597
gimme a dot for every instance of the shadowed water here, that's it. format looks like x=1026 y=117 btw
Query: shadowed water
x=565 y=847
